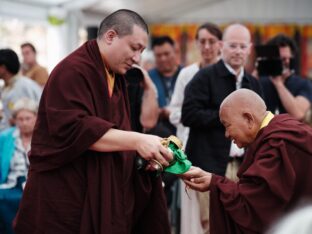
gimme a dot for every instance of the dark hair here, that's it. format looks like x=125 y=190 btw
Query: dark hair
x=9 y=59
x=158 y=41
x=29 y=45
x=282 y=40
x=212 y=28
x=122 y=21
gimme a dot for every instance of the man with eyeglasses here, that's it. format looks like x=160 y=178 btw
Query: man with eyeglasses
x=207 y=146
x=287 y=93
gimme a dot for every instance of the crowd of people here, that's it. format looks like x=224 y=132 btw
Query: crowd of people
x=77 y=145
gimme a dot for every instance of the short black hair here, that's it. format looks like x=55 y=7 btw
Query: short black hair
x=158 y=41
x=211 y=28
x=28 y=44
x=122 y=21
x=282 y=40
x=9 y=59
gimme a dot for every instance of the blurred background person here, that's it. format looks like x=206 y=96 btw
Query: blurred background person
x=208 y=37
x=164 y=76
x=30 y=66
x=298 y=221
x=288 y=92
x=16 y=86
x=14 y=146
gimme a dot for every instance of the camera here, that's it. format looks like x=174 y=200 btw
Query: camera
x=269 y=62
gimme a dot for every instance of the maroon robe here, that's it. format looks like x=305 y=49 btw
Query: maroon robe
x=71 y=189
x=274 y=178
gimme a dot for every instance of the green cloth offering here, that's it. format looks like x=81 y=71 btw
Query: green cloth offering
x=180 y=164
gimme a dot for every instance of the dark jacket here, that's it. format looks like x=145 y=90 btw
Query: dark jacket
x=207 y=146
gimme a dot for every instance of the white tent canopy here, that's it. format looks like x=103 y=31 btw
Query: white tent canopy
x=62 y=39
x=219 y=11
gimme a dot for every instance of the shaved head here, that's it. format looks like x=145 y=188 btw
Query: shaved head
x=245 y=99
x=234 y=30
x=242 y=113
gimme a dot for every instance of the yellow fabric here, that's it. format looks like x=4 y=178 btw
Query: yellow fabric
x=267 y=119
x=38 y=74
x=110 y=81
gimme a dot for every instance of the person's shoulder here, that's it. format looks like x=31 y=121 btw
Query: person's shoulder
x=249 y=76
x=7 y=132
x=253 y=80
x=283 y=125
x=189 y=70
x=206 y=73
x=25 y=81
x=79 y=60
x=153 y=72
x=155 y=76
x=77 y=64
x=40 y=68
x=298 y=80
x=202 y=77
x=298 y=84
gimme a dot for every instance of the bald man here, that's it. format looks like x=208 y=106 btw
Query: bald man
x=274 y=176
x=207 y=146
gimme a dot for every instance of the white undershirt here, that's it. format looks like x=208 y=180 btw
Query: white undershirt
x=234 y=150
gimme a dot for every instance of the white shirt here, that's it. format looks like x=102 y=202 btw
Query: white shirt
x=240 y=76
x=175 y=106
x=234 y=150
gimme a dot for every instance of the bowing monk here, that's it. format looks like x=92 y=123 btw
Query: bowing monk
x=83 y=177
x=274 y=176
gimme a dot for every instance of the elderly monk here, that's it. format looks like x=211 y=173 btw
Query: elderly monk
x=274 y=176
x=83 y=177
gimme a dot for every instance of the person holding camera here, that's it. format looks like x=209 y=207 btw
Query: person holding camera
x=287 y=92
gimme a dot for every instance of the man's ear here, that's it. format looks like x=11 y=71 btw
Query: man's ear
x=249 y=118
x=250 y=47
x=109 y=36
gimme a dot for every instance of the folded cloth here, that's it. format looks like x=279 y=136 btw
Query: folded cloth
x=180 y=164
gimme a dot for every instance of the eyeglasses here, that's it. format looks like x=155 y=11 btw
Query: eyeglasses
x=235 y=45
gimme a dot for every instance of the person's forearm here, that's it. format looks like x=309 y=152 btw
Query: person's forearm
x=117 y=140
x=149 y=109
x=289 y=102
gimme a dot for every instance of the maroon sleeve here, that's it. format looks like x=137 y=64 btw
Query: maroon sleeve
x=258 y=198
x=68 y=122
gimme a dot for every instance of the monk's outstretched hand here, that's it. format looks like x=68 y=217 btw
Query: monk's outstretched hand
x=150 y=148
x=197 y=179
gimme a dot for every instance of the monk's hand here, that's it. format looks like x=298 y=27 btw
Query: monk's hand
x=197 y=179
x=150 y=148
